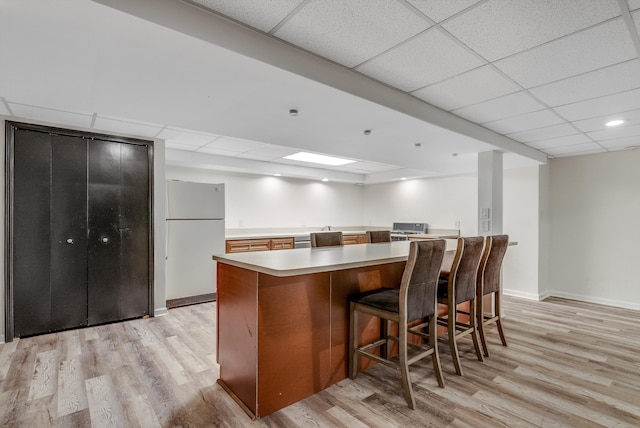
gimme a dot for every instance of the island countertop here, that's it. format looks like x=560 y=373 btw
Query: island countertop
x=303 y=261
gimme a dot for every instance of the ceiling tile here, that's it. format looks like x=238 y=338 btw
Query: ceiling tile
x=598 y=123
x=588 y=50
x=621 y=143
x=439 y=10
x=217 y=151
x=578 y=149
x=481 y=84
x=609 y=80
x=270 y=151
x=617 y=132
x=50 y=115
x=500 y=108
x=634 y=4
x=560 y=142
x=603 y=106
x=543 y=133
x=263 y=15
x=185 y=136
x=497 y=28
x=234 y=144
x=140 y=129
x=350 y=32
x=180 y=146
x=524 y=122
x=428 y=58
x=636 y=19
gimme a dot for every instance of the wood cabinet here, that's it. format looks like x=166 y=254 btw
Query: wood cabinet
x=354 y=239
x=259 y=244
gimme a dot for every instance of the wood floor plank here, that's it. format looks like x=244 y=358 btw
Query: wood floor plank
x=568 y=364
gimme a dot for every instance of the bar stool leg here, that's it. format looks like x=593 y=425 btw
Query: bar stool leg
x=480 y=324
x=404 y=367
x=499 y=320
x=353 y=345
x=474 y=333
x=451 y=332
x=433 y=342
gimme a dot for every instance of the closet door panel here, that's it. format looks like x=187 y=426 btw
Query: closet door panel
x=68 y=232
x=104 y=255
x=134 y=224
x=30 y=231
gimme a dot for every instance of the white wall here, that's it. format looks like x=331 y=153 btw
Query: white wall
x=257 y=201
x=595 y=228
x=440 y=202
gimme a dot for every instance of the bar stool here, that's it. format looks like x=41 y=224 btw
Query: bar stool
x=459 y=286
x=326 y=239
x=489 y=283
x=378 y=236
x=414 y=300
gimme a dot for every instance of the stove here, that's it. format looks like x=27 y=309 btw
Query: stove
x=401 y=231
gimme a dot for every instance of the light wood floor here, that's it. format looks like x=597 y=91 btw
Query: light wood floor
x=567 y=364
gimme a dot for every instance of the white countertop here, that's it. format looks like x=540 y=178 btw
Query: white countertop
x=313 y=260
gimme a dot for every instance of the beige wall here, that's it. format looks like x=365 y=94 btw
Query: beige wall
x=595 y=228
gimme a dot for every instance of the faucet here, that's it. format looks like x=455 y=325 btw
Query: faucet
x=328 y=227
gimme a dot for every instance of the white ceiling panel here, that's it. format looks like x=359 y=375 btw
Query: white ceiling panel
x=350 y=32
x=497 y=29
x=428 y=58
x=606 y=81
x=524 y=122
x=621 y=143
x=588 y=50
x=543 y=133
x=263 y=15
x=617 y=132
x=569 y=140
x=180 y=146
x=270 y=151
x=500 y=108
x=3 y=108
x=636 y=19
x=186 y=137
x=234 y=144
x=481 y=84
x=50 y=115
x=439 y=10
x=217 y=151
x=139 y=129
x=598 y=123
x=578 y=149
x=603 y=106
x=634 y=4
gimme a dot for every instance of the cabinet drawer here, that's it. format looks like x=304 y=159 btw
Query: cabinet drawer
x=354 y=239
x=281 y=243
x=245 y=245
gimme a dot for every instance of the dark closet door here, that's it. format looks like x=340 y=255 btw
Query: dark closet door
x=118 y=242
x=49 y=233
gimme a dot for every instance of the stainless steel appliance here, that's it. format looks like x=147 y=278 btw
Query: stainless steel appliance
x=401 y=231
x=195 y=232
x=302 y=241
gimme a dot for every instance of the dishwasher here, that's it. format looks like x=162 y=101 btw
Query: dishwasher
x=302 y=241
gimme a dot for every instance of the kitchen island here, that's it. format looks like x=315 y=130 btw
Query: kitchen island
x=283 y=318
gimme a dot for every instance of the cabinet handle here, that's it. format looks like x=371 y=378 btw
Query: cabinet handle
x=104 y=239
x=70 y=241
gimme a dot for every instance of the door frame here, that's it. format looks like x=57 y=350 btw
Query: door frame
x=10 y=131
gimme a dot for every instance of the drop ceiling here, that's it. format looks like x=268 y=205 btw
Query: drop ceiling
x=435 y=81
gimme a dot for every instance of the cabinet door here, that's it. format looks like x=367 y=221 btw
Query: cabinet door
x=49 y=233
x=118 y=224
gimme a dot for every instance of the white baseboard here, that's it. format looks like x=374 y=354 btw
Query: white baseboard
x=521 y=294
x=158 y=312
x=598 y=300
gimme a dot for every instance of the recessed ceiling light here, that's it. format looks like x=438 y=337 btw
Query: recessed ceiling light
x=403 y=178
x=367 y=132
x=321 y=159
x=325 y=179
x=616 y=122
x=293 y=112
x=277 y=174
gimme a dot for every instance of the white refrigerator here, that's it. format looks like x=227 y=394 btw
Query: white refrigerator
x=195 y=232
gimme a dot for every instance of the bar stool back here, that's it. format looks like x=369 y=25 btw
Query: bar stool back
x=378 y=236
x=326 y=239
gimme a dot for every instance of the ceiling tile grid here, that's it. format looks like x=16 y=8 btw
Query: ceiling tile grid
x=547 y=132
x=631 y=117
x=605 y=81
x=427 y=58
x=263 y=15
x=350 y=32
x=497 y=29
x=439 y=10
x=584 y=148
x=610 y=104
x=524 y=122
x=569 y=140
x=500 y=108
x=634 y=4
